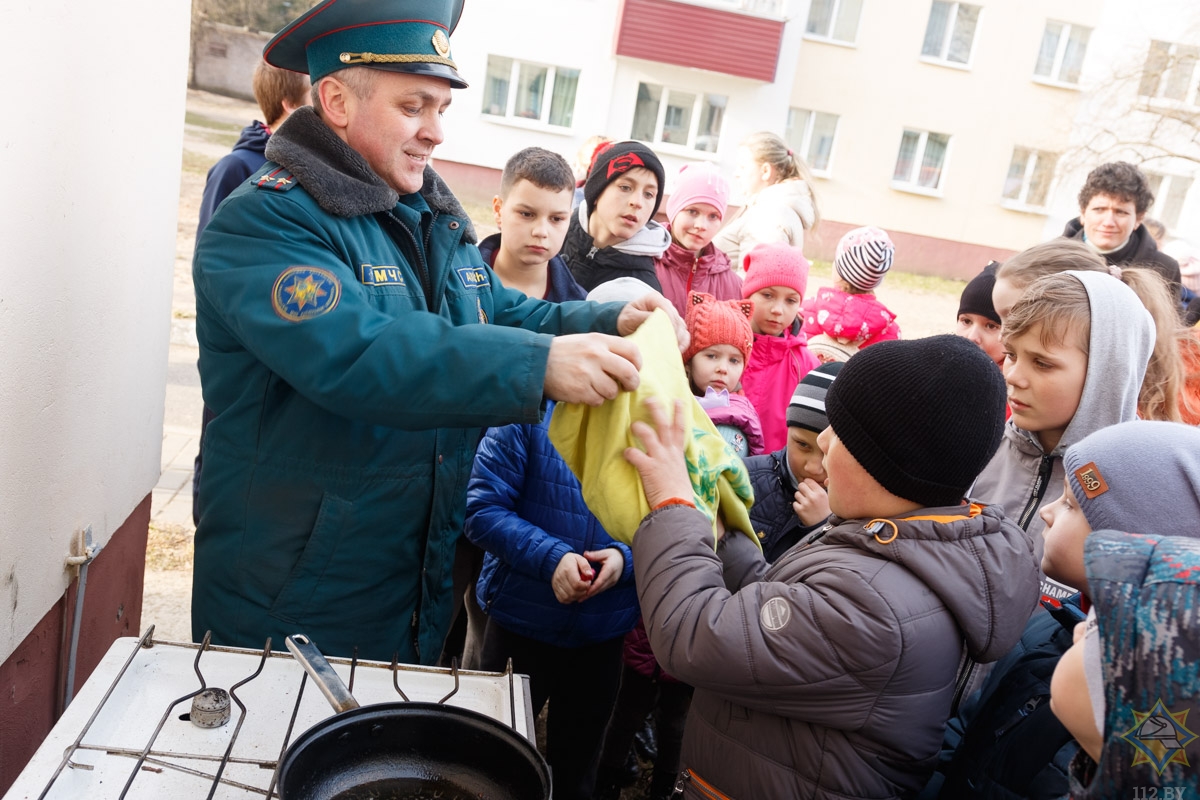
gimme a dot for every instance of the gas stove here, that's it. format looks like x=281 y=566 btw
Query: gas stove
x=181 y=720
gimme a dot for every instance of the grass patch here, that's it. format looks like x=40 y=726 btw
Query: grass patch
x=169 y=547
x=197 y=162
x=908 y=281
x=217 y=137
x=199 y=120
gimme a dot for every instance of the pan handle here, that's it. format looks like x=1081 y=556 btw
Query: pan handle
x=321 y=672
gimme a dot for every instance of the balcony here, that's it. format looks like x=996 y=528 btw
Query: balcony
x=738 y=37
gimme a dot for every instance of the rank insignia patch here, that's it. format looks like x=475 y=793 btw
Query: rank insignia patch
x=473 y=277
x=301 y=293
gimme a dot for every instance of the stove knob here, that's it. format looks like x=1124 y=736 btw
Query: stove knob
x=210 y=708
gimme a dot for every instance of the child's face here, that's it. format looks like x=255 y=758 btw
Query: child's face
x=1005 y=295
x=1045 y=384
x=719 y=367
x=849 y=485
x=533 y=221
x=1066 y=530
x=804 y=455
x=775 y=309
x=624 y=207
x=695 y=226
x=983 y=332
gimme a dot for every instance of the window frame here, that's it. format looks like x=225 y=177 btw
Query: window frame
x=1162 y=190
x=1021 y=201
x=1056 y=65
x=942 y=59
x=664 y=103
x=910 y=185
x=1191 y=95
x=806 y=139
x=547 y=96
x=828 y=36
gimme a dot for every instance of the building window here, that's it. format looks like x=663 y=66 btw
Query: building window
x=1029 y=175
x=536 y=92
x=1061 y=55
x=950 y=32
x=1170 y=193
x=1170 y=72
x=671 y=116
x=921 y=159
x=836 y=20
x=810 y=134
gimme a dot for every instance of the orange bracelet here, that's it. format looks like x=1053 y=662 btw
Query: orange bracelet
x=674 y=501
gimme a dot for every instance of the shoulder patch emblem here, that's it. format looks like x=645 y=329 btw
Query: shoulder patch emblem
x=473 y=277
x=278 y=179
x=302 y=293
x=775 y=614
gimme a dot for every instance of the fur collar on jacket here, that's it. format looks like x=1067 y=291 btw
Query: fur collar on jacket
x=340 y=180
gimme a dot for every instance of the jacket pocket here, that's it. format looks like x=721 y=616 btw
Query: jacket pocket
x=292 y=603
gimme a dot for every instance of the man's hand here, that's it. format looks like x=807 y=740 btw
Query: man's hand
x=590 y=368
x=812 y=502
x=638 y=311
x=612 y=564
x=662 y=466
x=572 y=579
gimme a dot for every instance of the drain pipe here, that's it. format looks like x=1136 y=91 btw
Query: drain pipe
x=87 y=553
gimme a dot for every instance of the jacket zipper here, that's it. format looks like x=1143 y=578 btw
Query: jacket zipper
x=1039 y=491
x=706 y=789
x=691 y=275
x=419 y=254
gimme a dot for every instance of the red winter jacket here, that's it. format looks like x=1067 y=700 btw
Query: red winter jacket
x=858 y=319
x=681 y=271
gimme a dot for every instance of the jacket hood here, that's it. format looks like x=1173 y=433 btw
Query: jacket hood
x=253 y=137
x=847 y=318
x=794 y=194
x=340 y=180
x=981 y=566
x=652 y=240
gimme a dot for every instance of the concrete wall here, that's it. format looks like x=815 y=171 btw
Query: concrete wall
x=90 y=157
x=225 y=57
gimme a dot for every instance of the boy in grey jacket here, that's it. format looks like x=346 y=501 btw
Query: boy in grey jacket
x=830 y=673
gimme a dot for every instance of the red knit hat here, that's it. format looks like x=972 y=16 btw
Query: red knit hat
x=775 y=265
x=711 y=321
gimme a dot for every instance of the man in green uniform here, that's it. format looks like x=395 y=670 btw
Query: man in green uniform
x=353 y=346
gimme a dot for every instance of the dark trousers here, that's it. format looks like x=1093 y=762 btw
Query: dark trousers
x=581 y=684
x=639 y=695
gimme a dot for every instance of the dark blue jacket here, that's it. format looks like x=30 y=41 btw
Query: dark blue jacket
x=526 y=509
x=249 y=154
x=560 y=284
x=772 y=515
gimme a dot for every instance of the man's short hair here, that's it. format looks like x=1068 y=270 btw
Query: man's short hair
x=360 y=80
x=1121 y=180
x=541 y=167
x=273 y=85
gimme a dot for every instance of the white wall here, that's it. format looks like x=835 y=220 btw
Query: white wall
x=89 y=183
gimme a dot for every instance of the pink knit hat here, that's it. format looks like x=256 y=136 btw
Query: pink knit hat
x=775 y=265
x=698 y=183
x=711 y=321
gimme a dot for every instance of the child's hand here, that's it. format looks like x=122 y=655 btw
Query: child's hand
x=612 y=564
x=572 y=578
x=662 y=466
x=812 y=502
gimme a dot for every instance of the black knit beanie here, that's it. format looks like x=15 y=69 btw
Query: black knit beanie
x=922 y=416
x=977 y=297
x=618 y=159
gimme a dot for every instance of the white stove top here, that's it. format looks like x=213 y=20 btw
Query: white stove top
x=93 y=750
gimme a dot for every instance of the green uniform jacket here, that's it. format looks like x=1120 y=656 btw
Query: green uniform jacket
x=346 y=411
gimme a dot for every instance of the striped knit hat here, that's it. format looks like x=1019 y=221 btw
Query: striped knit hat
x=864 y=255
x=807 y=409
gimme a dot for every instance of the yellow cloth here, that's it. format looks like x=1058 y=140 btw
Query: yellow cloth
x=592 y=440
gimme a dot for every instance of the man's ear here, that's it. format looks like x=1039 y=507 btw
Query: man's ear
x=335 y=100
x=497 y=204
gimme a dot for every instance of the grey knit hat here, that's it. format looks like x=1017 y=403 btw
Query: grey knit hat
x=807 y=409
x=1141 y=477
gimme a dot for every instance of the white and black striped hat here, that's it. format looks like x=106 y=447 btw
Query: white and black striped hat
x=807 y=408
x=864 y=255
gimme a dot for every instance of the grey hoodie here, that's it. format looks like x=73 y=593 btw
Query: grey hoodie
x=1022 y=477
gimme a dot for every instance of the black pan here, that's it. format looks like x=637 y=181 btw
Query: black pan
x=397 y=751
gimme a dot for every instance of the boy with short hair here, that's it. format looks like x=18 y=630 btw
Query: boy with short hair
x=533 y=211
x=830 y=673
x=789 y=485
x=1077 y=344
x=614 y=234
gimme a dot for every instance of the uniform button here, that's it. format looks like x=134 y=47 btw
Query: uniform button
x=453 y=225
x=439 y=458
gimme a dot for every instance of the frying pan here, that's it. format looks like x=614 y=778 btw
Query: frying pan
x=404 y=750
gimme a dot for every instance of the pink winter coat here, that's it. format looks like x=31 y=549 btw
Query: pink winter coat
x=857 y=319
x=681 y=271
x=776 y=365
